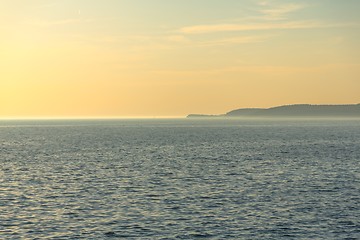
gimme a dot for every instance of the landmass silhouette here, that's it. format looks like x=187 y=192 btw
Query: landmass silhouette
x=291 y=111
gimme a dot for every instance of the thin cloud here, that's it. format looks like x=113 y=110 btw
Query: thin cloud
x=234 y=40
x=258 y=69
x=272 y=17
x=202 y=29
x=280 y=12
x=44 y=23
x=263 y=3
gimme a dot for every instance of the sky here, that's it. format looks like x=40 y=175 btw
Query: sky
x=155 y=58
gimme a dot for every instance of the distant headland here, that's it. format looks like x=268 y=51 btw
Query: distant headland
x=292 y=111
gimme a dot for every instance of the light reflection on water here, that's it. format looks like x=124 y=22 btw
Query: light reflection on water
x=186 y=179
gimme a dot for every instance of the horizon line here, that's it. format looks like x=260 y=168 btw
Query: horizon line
x=87 y=117
x=4 y=118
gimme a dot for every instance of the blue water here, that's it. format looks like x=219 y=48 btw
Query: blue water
x=179 y=179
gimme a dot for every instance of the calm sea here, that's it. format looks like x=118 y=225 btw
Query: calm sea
x=179 y=179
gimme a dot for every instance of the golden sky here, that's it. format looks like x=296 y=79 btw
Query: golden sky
x=119 y=58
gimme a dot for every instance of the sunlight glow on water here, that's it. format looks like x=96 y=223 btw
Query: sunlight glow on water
x=185 y=179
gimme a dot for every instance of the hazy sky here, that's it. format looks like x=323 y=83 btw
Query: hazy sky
x=63 y=58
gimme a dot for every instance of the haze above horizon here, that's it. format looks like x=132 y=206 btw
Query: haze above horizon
x=151 y=58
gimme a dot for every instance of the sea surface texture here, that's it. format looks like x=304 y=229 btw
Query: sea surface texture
x=180 y=179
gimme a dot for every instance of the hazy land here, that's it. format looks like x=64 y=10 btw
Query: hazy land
x=292 y=111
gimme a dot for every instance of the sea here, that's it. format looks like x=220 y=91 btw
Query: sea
x=180 y=179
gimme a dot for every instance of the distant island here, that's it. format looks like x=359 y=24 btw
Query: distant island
x=291 y=111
